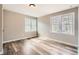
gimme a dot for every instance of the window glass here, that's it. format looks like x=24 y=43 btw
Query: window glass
x=63 y=23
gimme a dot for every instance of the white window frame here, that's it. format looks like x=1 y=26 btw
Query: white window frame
x=73 y=23
x=30 y=24
x=61 y=16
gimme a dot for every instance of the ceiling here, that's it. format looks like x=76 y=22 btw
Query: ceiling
x=39 y=10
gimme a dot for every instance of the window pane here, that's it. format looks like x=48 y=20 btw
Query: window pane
x=30 y=24
x=63 y=23
x=27 y=28
x=27 y=20
x=56 y=24
x=33 y=21
x=55 y=28
x=33 y=24
x=67 y=23
x=33 y=28
x=27 y=24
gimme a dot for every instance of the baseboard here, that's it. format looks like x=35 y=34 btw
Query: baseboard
x=60 y=41
x=16 y=39
x=64 y=43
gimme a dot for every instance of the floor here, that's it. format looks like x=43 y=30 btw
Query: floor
x=38 y=46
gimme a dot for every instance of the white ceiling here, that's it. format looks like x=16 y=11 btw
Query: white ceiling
x=39 y=10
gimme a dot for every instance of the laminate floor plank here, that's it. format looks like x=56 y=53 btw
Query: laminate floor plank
x=38 y=46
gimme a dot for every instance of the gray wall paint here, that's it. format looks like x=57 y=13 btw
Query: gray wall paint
x=0 y=28
x=44 y=28
x=14 y=26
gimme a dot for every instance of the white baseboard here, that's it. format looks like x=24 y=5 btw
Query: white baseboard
x=60 y=41
x=14 y=39
x=64 y=42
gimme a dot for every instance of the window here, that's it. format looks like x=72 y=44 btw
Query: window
x=30 y=24
x=33 y=24
x=63 y=23
x=56 y=24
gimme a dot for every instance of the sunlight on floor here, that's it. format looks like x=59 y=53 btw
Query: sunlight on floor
x=28 y=47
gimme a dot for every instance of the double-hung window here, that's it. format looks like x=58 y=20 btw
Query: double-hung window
x=63 y=23
x=30 y=24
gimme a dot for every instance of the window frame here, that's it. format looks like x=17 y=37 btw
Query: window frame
x=30 y=24
x=73 y=23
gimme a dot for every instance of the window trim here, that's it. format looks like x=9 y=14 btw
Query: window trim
x=30 y=24
x=73 y=25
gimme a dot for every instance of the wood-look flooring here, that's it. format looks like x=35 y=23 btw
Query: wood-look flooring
x=37 y=46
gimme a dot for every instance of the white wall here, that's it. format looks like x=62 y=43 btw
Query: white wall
x=14 y=26
x=45 y=28
x=0 y=28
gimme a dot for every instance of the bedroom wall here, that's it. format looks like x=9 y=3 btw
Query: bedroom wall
x=45 y=28
x=0 y=28
x=14 y=26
